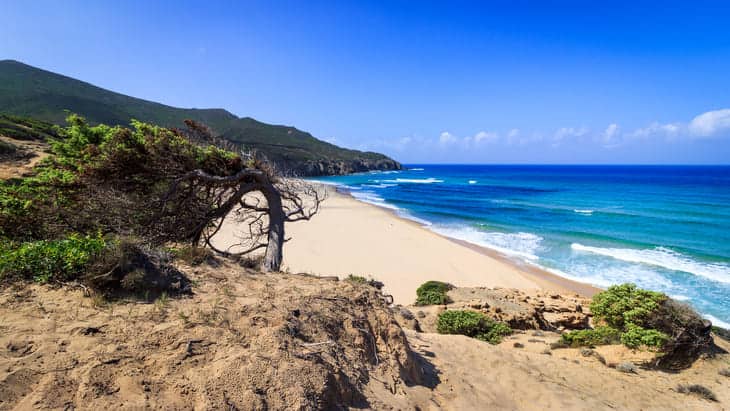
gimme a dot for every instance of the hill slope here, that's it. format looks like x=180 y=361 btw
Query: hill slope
x=29 y=91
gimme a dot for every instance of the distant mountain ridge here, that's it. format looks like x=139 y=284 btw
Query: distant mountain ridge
x=29 y=91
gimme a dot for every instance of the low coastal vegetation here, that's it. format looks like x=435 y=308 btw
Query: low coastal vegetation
x=640 y=318
x=433 y=293
x=45 y=261
x=7 y=148
x=26 y=129
x=698 y=390
x=472 y=324
x=107 y=196
x=625 y=313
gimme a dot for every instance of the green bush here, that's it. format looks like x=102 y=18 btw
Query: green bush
x=626 y=304
x=629 y=314
x=357 y=279
x=472 y=324
x=469 y=323
x=433 y=293
x=586 y=338
x=6 y=148
x=635 y=337
x=49 y=260
x=495 y=333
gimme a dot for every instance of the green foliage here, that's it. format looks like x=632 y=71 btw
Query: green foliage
x=587 y=338
x=22 y=128
x=630 y=309
x=495 y=334
x=356 y=279
x=472 y=324
x=463 y=322
x=636 y=336
x=626 y=304
x=7 y=148
x=433 y=293
x=628 y=314
x=49 y=260
x=134 y=161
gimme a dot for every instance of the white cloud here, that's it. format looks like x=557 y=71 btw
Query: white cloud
x=486 y=136
x=447 y=138
x=610 y=137
x=656 y=129
x=711 y=123
x=565 y=132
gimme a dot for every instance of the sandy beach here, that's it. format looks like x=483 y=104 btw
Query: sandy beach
x=352 y=237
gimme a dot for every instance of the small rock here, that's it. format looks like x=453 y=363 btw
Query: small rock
x=626 y=367
x=518 y=345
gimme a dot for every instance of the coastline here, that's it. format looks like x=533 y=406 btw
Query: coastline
x=349 y=236
x=545 y=279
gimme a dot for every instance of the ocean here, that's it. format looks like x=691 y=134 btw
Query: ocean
x=664 y=228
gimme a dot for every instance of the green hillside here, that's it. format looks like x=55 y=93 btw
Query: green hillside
x=31 y=92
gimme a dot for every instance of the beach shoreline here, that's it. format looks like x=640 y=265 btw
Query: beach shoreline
x=352 y=237
x=546 y=279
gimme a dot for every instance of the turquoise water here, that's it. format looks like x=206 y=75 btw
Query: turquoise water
x=665 y=228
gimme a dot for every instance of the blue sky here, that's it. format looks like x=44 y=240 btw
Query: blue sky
x=472 y=82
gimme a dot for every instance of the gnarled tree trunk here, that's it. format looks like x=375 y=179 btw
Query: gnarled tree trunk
x=275 y=243
x=285 y=202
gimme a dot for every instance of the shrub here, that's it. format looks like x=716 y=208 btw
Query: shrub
x=6 y=148
x=433 y=293
x=626 y=304
x=636 y=336
x=587 y=338
x=631 y=311
x=472 y=324
x=495 y=333
x=127 y=268
x=49 y=260
x=465 y=322
x=640 y=318
x=192 y=255
x=357 y=279
x=696 y=389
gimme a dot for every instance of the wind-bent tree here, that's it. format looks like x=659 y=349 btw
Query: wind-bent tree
x=256 y=197
x=159 y=185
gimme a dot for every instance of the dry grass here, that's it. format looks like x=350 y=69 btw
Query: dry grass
x=698 y=390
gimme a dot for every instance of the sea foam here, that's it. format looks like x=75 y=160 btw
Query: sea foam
x=429 y=180
x=372 y=198
x=520 y=244
x=662 y=257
